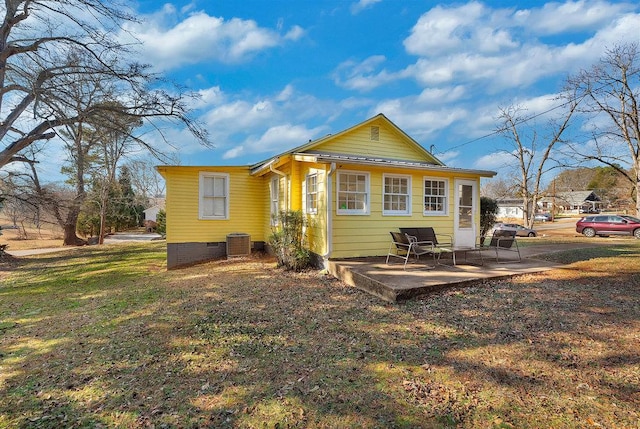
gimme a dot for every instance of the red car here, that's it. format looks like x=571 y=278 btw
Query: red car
x=605 y=225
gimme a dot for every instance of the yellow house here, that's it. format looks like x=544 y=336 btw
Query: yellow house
x=353 y=187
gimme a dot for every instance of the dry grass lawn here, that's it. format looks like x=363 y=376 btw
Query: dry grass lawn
x=29 y=237
x=105 y=337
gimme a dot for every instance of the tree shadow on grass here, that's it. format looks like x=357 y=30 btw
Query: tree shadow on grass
x=245 y=345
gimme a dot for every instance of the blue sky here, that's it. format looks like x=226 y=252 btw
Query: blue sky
x=274 y=74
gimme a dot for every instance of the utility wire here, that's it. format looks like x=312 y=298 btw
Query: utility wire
x=521 y=121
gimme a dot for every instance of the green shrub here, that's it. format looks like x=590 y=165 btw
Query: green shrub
x=287 y=241
x=161 y=222
x=488 y=214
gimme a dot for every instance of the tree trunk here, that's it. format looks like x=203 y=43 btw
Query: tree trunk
x=70 y=237
x=103 y=221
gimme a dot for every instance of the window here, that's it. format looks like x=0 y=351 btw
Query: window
x=275 y=199
x=312 y=193
x=435 y=196
x=353 y=193
x=214 y=196
x=396 y=195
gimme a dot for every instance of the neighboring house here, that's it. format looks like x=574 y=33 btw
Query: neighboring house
x=510 y=208
x=353 y=187
x=572 y=202
x=151 y=214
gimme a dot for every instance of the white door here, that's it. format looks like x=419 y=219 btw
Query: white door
x=464 y=232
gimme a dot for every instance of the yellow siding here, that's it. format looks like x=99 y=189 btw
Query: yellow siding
x=368 y=235
x=358 y=142
x=351 y=235
x=183 y=224
x=316 y=231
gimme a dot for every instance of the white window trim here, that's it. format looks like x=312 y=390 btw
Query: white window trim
x=444 y=212
x=307 y=193
x=274 y=199
x=367 y=207
x=201 y=196
x=406 y=212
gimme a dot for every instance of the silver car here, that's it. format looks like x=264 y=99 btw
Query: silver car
x=520 y=230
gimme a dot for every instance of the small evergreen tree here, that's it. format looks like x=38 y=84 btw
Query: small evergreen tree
x=161 y=222
x=287 y=241
x=488 y=215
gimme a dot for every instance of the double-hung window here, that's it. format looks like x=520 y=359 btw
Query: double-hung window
x=312 y=194
x=275 y=199
x=353 y=193
x=213 y=196
x=436 y=193
x=396 y=195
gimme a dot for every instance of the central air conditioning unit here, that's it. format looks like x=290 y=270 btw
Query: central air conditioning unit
x=238 y=244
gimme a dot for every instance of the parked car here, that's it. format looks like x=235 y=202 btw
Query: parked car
x=544 y=217
x=604 y=225
x=520 y=230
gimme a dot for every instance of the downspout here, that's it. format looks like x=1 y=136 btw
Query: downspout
x=325 y=257
x=286 y=185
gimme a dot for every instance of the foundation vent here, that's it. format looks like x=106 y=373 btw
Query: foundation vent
x=238 y=244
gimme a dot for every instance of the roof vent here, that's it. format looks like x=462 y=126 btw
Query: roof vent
x=375 y=134
x=238 y=244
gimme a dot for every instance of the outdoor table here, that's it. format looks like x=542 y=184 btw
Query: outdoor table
x=462 y=249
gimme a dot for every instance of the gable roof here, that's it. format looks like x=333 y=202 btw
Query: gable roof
x=575 y=198
x=329 y=137
x=311 y=151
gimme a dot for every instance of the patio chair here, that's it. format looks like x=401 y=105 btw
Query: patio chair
x=442 y=243
x=503 y=240
x=427 y=233
x=405 y=246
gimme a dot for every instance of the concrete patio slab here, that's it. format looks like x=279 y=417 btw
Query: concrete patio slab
x=393 y=283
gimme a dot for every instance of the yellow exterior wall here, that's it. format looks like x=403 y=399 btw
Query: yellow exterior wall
x=316 y=229
x=358 y=142
x=368 y=235
x=351 y=235
x=245 y=215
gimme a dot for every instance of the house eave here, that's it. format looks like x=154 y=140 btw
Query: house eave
x=326 y=158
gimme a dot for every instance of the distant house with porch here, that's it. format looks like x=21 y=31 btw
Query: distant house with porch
x=572 y=202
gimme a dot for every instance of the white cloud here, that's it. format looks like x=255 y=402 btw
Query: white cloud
x=275 y=139
x=503 y=48
x=361 y=5
x=363 y=76
x=295 y=33
x=233 y=153
x=447 y=157
x=443 y=29
x=494 y=161
x=441 y=95
x=168 y=43
x=420 y=120
x=556 y=17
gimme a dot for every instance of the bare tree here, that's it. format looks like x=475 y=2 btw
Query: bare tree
x=611 y=92
x=146 y=180
x=532 y=153
x=113 y=143
x=44 y=44
x=498 y=188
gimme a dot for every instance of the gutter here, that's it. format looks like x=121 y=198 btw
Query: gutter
x=330 y=174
